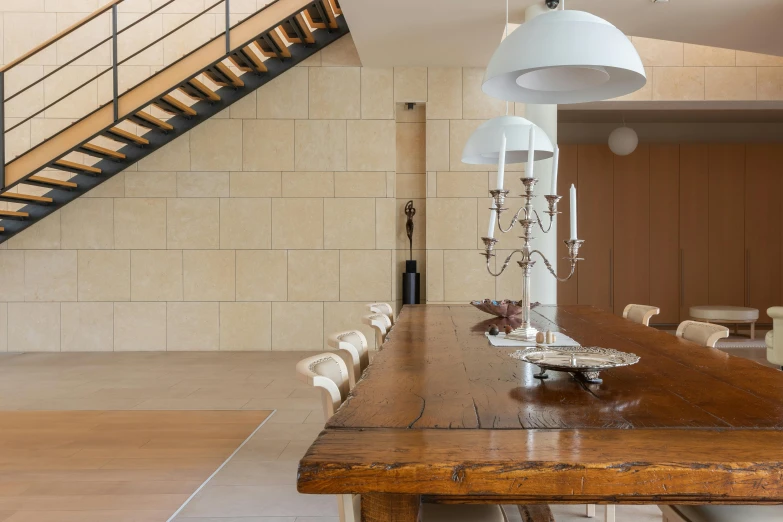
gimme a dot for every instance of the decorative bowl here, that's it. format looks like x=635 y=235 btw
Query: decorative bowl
x=504 y=308
x=585 y=361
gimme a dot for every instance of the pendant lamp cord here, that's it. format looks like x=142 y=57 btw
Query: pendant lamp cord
x=506 y=37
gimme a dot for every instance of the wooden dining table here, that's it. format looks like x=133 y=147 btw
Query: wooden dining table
x=443 y=416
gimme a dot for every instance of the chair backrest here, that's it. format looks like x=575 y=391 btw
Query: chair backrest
x=774 y=338
x=328 y=372
x=381 y=324
x=640 y=313
x=706 y=334
x=354 y=344
x=382 y=308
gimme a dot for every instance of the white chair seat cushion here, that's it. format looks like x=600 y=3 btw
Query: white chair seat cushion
x=730 y=513
x=724 y=313
x=461 y=513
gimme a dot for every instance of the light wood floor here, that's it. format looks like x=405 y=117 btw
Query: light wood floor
x=119 y=466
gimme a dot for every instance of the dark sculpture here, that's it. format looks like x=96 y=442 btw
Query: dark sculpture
x=410 y=212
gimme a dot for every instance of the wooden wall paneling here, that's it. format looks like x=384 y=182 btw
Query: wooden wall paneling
x=631 y=264
x=763 y=228
x=727 y=224
x=694 y=227
x=596 y=224
x=567 y=175
x=665 y=232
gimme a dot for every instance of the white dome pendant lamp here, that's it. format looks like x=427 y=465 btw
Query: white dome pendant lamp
x=486 y=143
x=562 y=57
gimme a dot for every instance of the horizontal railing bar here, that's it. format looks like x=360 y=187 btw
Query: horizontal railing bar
x=61 y=98
x=69 y=62
x=170 y=32
x=60 y=35
x=50 y=73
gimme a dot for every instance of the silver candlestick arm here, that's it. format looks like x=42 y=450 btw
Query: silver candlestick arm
x=527 y=217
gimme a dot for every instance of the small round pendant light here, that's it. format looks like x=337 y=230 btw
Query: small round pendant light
x=483 y=146
x=563 y=57
x=623 y=141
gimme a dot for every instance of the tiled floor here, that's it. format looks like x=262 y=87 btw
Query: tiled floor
x=258 y=483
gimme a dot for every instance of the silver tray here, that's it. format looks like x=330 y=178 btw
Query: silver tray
x=584 y=361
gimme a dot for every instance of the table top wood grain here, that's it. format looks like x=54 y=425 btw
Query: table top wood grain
x=441 y=412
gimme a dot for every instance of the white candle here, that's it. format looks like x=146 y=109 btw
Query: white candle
x=501 y=162
x=554 y=170
x=531 y=152
x=492 y=221
x=573 y=212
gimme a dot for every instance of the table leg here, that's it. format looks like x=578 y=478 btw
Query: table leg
x=386 y=507
x=752 y=331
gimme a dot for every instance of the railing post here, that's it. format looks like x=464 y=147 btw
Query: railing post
x=228 y=27
x=114 y=72
x=2 y=134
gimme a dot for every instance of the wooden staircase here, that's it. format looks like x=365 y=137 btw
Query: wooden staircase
x=163 y=107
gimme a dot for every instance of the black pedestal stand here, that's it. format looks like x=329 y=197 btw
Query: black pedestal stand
x=411 y=284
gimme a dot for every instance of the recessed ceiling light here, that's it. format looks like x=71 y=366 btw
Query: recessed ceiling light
x=660 y=1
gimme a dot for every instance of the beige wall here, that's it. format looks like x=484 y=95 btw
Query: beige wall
x=270 y=225
x=677 y=71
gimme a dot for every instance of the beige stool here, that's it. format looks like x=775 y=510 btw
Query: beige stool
x=353 y=344
x=382 y=308
x=735 y=315
x=381 y=324
x=328 y=372
x=640 y=313
x=722 y=513
x=705 y=334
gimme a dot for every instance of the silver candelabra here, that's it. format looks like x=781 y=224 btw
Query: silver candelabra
x=528 y=218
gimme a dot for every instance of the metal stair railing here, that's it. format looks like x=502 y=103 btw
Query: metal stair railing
x=114 y=68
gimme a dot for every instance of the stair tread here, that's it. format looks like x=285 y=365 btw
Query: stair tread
x=206 y=91
x=52 y=181
x=171 y=100
x=26 y=197
x=103 y=151
x=11 y=213
x=155 y=121
x=258 y=63
x=78 y=166
x=235 y=80
x=129 y=135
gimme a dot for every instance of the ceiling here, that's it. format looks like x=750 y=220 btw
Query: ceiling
x=464 y=33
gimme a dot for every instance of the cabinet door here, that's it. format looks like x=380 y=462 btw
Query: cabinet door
x=665 y=232
x=763 y=226
x=631 y=263
x=727 y=224
x=567 y=175
x=595 y=225
x=694 y=226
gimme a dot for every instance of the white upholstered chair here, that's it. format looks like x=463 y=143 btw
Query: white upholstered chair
x=775 y=342
x=381 y=324
x=722 y=513
x=640 y=313
x=382 y=308
x=329 y=372
x=705 y=334
x=353 y=344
